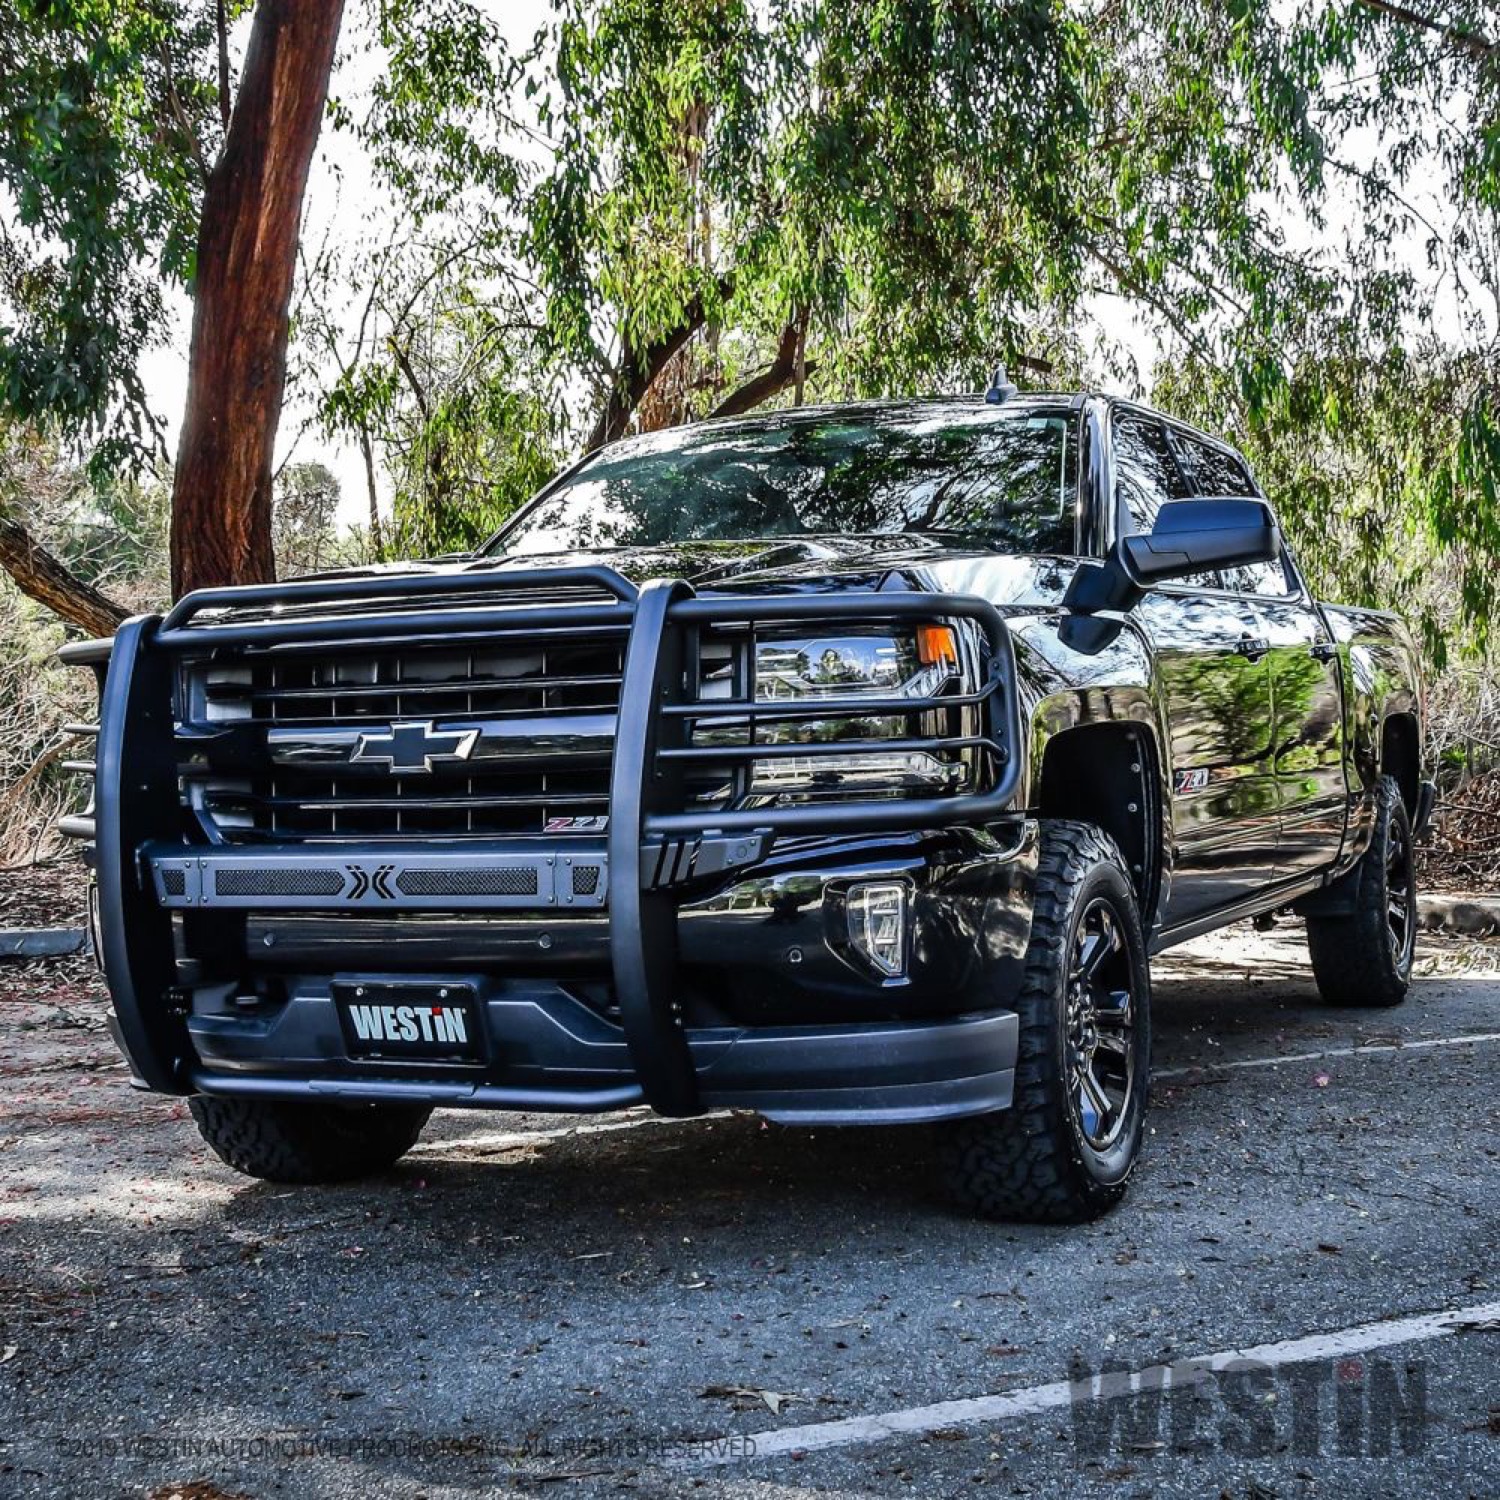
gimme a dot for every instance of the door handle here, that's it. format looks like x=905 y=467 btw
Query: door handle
x=1323 y=650
x=1252 y=646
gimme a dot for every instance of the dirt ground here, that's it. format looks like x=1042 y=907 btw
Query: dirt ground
x=718 y=1307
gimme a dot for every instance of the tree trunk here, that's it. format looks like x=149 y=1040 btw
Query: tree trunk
x=247 y=249
x=789 y=365
x=641 y=366
x=367 y=450
x=41 y=576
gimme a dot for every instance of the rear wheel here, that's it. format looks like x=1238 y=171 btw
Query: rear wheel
x=290 y=1141
x=1065 y=1149
x=1365 y=957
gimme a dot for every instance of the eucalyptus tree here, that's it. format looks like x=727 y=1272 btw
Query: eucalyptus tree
x=131 y=160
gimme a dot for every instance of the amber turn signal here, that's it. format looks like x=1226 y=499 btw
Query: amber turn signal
x=936 y=645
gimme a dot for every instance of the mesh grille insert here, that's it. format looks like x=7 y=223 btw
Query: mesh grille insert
x=247 y=880
x=585 y=880
x=509 y=882
x=174 y=882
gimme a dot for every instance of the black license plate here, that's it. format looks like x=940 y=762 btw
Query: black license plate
x=438 y=1022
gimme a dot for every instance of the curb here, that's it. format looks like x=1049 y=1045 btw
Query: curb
x=1472 y=916
x=40 y=942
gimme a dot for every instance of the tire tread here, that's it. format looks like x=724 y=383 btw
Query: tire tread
x=1351 y=955
x=293 y=1142
x=1022 y=1163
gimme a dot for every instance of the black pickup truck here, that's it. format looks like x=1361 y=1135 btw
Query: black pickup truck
x=846 y=765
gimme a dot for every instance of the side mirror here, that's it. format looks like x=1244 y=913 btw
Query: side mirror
x=1190 y=536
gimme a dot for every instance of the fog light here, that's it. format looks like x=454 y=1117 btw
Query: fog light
x=877 y=925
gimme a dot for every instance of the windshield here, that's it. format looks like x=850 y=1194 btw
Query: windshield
x=1006 y=477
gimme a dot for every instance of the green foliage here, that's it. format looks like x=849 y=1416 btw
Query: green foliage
x=107 y=111
x=440 y=128
x=1383 y=470
x=1303 y=197
x=439 y=378
x=909 y=173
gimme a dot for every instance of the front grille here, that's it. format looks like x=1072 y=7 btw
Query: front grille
x=540 y=686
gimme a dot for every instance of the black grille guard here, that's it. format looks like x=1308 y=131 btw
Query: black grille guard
x=653 y=843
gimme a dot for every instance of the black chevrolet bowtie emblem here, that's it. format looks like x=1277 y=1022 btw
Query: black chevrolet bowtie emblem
x=413 y=748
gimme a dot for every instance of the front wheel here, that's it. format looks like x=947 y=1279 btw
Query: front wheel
x=1365 y=957
x=1065 y=1149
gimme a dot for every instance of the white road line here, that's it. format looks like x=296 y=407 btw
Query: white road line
x=1301 y=1057
x=1040 y=1398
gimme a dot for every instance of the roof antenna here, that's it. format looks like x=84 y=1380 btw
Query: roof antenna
x=1000 y=388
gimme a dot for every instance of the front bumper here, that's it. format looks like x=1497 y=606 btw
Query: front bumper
x=780 y=1015
x=559 y=1055
x=699 y=966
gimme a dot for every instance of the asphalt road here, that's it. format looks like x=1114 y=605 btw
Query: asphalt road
x=722 y=1308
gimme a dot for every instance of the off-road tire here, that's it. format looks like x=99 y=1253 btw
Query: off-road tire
x=285 y=1141
x=1357 y=959
x=1032 y=1161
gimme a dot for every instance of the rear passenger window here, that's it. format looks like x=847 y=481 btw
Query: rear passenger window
x=1213 y=471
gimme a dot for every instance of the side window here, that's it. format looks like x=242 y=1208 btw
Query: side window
x=1216 y=472
x=1147 y=476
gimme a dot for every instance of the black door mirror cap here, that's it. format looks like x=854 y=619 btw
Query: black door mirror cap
x=1197 y=536
x=1190 y=536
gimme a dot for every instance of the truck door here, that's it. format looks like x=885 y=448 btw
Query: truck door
x=1308 y=754
x=1212 y=663
x=1310 y=781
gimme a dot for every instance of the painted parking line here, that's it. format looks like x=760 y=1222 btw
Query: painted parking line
x=1422 y=1045
x=918 y=1420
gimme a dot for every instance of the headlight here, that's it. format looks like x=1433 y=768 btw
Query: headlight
x=844 y=666
x=916 y=772
x=917 y=666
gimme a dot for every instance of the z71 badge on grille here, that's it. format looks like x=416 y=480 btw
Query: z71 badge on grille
x=414 y=747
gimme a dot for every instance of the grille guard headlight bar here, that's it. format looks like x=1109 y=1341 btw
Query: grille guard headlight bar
x=654 y=748
x=670 y=751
